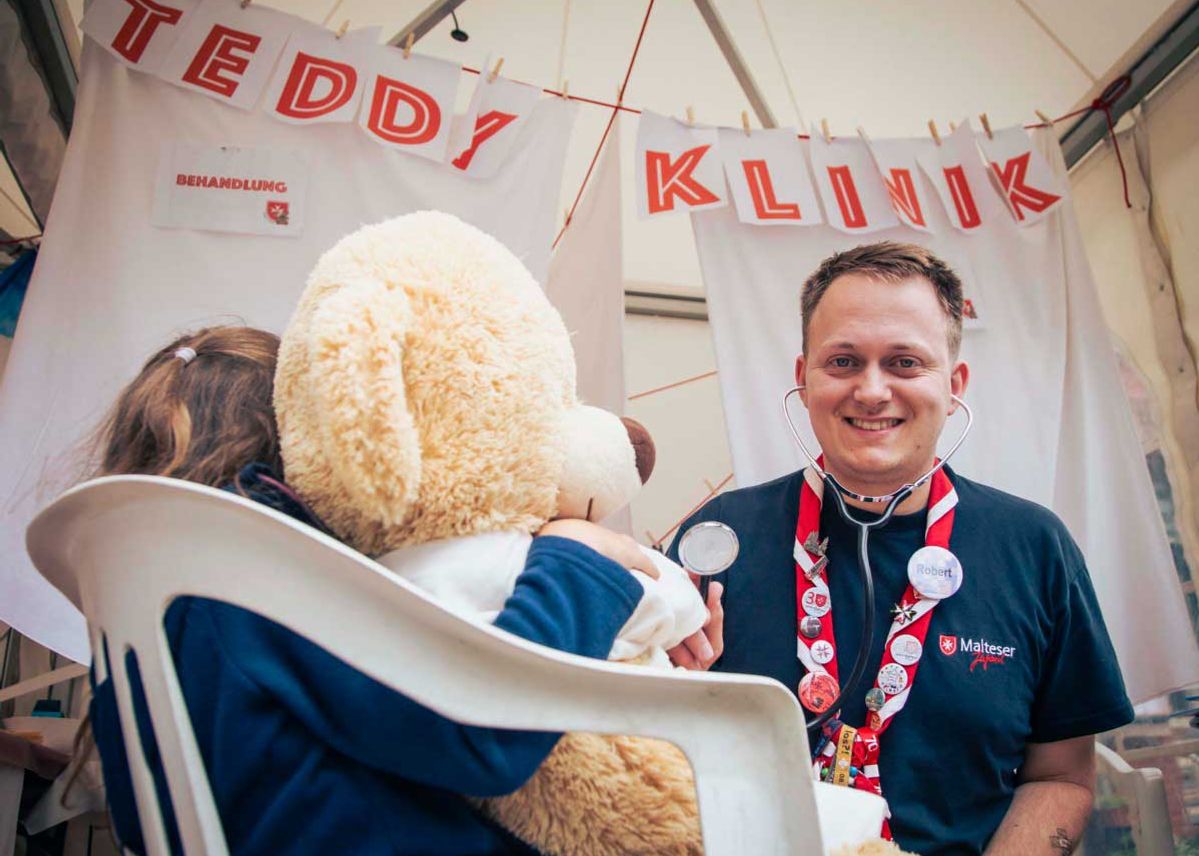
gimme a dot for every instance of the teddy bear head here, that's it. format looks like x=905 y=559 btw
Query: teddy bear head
x=426 y=389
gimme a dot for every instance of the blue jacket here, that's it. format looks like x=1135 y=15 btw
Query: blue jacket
x=307 y=755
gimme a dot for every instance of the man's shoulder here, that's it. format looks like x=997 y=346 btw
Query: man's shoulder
x=993 y=500
x=1016 y=517
x=743 y=506
x=747 y=501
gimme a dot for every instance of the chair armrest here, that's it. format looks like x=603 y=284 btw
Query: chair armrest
x=1145 y=791
x=40 y=682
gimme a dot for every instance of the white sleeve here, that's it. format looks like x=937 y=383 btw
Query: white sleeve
x=670 y=611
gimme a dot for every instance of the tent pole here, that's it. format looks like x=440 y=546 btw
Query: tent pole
x=433 y=15
x=736 y=62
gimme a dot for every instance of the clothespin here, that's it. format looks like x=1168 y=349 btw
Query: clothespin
x=408 y=42
x=1044 y=118
x=932 y=129
x=953 y=126
x=986 y=123
x=345 y=25
x=745 y=121
x=565 y=88
x=495 y=72
x=690 y=115
x=828 y=138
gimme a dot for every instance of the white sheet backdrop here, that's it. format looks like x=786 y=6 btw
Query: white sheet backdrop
x=586 y=284
x=1052 y=423
x=109 y=288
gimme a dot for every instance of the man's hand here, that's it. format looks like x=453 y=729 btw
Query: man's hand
x=621 y=549
x=704 y=647
x=1052 y=803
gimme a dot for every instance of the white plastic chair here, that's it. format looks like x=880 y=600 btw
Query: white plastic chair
x=1144 y=790
x=122 y=548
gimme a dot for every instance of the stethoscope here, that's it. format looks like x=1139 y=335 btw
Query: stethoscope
x=711 y=547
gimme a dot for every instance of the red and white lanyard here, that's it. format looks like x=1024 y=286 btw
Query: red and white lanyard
x=851 y=756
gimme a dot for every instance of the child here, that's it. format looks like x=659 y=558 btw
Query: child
x=305 y=754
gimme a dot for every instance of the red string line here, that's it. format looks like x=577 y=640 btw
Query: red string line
x=672 y=385
x=609 y=105
x=19 y=240
x=1106 y=100
x=608 y=129
x=683 y=519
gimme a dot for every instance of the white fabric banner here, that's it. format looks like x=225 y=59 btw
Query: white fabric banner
x=896 y=161
x=1029 y=184
x=586 y=284
x=497 y=109
x=957 y=174
x=138 y=33
x=678 y=167
x=1052 y=422
x=316 y=80
x=408 y=102
x=854 y=195
x=228 y=52
x=768 y=177
x=110 y=288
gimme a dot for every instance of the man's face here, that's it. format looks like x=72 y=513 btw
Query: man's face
x=878 y=377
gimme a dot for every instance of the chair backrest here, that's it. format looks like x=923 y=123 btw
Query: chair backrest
x=123 y=548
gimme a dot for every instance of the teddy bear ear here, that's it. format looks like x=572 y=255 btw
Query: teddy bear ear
x=367 y=434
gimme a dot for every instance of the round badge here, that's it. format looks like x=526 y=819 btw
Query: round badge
x=816 y=602
x=892 y=678
x=935 y=573
x=822 y=651
x=875 y=698
x=810 y=626
x=906 y=649
x=818 y=691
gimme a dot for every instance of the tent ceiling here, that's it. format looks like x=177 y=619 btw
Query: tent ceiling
x=888 y=67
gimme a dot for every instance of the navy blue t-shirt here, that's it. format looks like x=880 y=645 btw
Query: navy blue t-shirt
x=1020 y=654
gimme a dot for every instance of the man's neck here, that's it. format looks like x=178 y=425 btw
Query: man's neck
x=917 y=501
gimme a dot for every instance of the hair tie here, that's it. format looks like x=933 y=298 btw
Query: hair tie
x=185 y=354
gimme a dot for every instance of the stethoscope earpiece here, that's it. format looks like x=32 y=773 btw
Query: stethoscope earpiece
x=795 y=390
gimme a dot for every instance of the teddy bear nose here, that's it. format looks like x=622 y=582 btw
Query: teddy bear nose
x=643 y=447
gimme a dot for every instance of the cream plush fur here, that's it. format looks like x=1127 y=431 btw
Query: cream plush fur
x=426 y=391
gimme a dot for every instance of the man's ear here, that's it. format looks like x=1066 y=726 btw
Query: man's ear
x=801 y=378
x=959 y=379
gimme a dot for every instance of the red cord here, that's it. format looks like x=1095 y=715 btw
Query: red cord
x=608 y=129
x=1106 y=100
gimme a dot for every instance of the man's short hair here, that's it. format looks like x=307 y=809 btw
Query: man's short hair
x=890 y=261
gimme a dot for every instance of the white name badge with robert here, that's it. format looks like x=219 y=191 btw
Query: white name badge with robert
x=934 y=572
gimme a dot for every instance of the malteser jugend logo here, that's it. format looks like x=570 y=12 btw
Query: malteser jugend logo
x=982 y=652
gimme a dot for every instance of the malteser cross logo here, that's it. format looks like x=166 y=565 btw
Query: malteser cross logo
x=277 y=212
x=949 y=645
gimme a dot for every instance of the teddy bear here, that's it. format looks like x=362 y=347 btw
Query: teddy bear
x=425 y=395
x=427 y=411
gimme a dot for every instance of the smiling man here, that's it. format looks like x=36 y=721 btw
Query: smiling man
x=991 y=669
